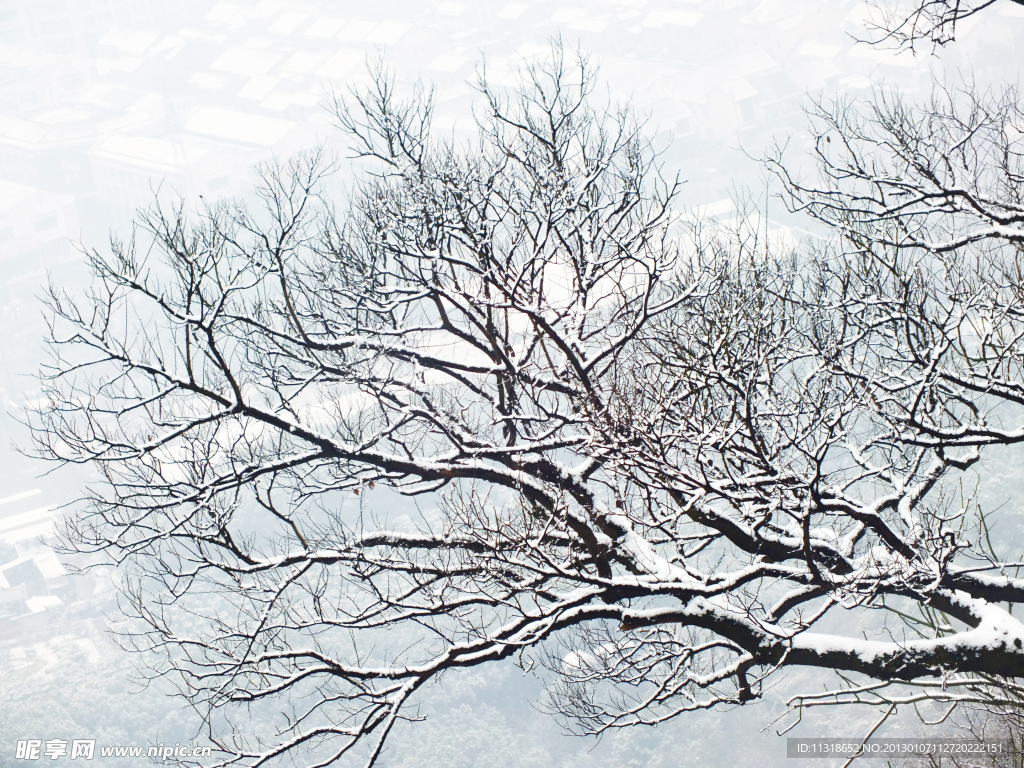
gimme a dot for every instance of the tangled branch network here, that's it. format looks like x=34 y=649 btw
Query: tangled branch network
x=657 y=456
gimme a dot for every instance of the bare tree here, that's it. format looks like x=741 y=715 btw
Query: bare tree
x=927 y=203
x=652 y=455
x=906 y=25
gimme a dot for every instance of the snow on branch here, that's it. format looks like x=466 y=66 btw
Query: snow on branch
x=506 y=404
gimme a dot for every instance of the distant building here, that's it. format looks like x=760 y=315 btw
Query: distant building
x=49 y=150
x=32 y=80
x=129 y=170
x=32 y=579
x=37 y=228
x=69 y=25
x=24 y=573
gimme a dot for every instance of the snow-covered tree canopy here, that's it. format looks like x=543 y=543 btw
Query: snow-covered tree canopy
x=906 y=24
x=654 y=455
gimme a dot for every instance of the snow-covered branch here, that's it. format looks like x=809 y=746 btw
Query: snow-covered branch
x=506 y=404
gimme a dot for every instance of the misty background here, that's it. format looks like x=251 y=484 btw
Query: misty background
x=106 y=103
